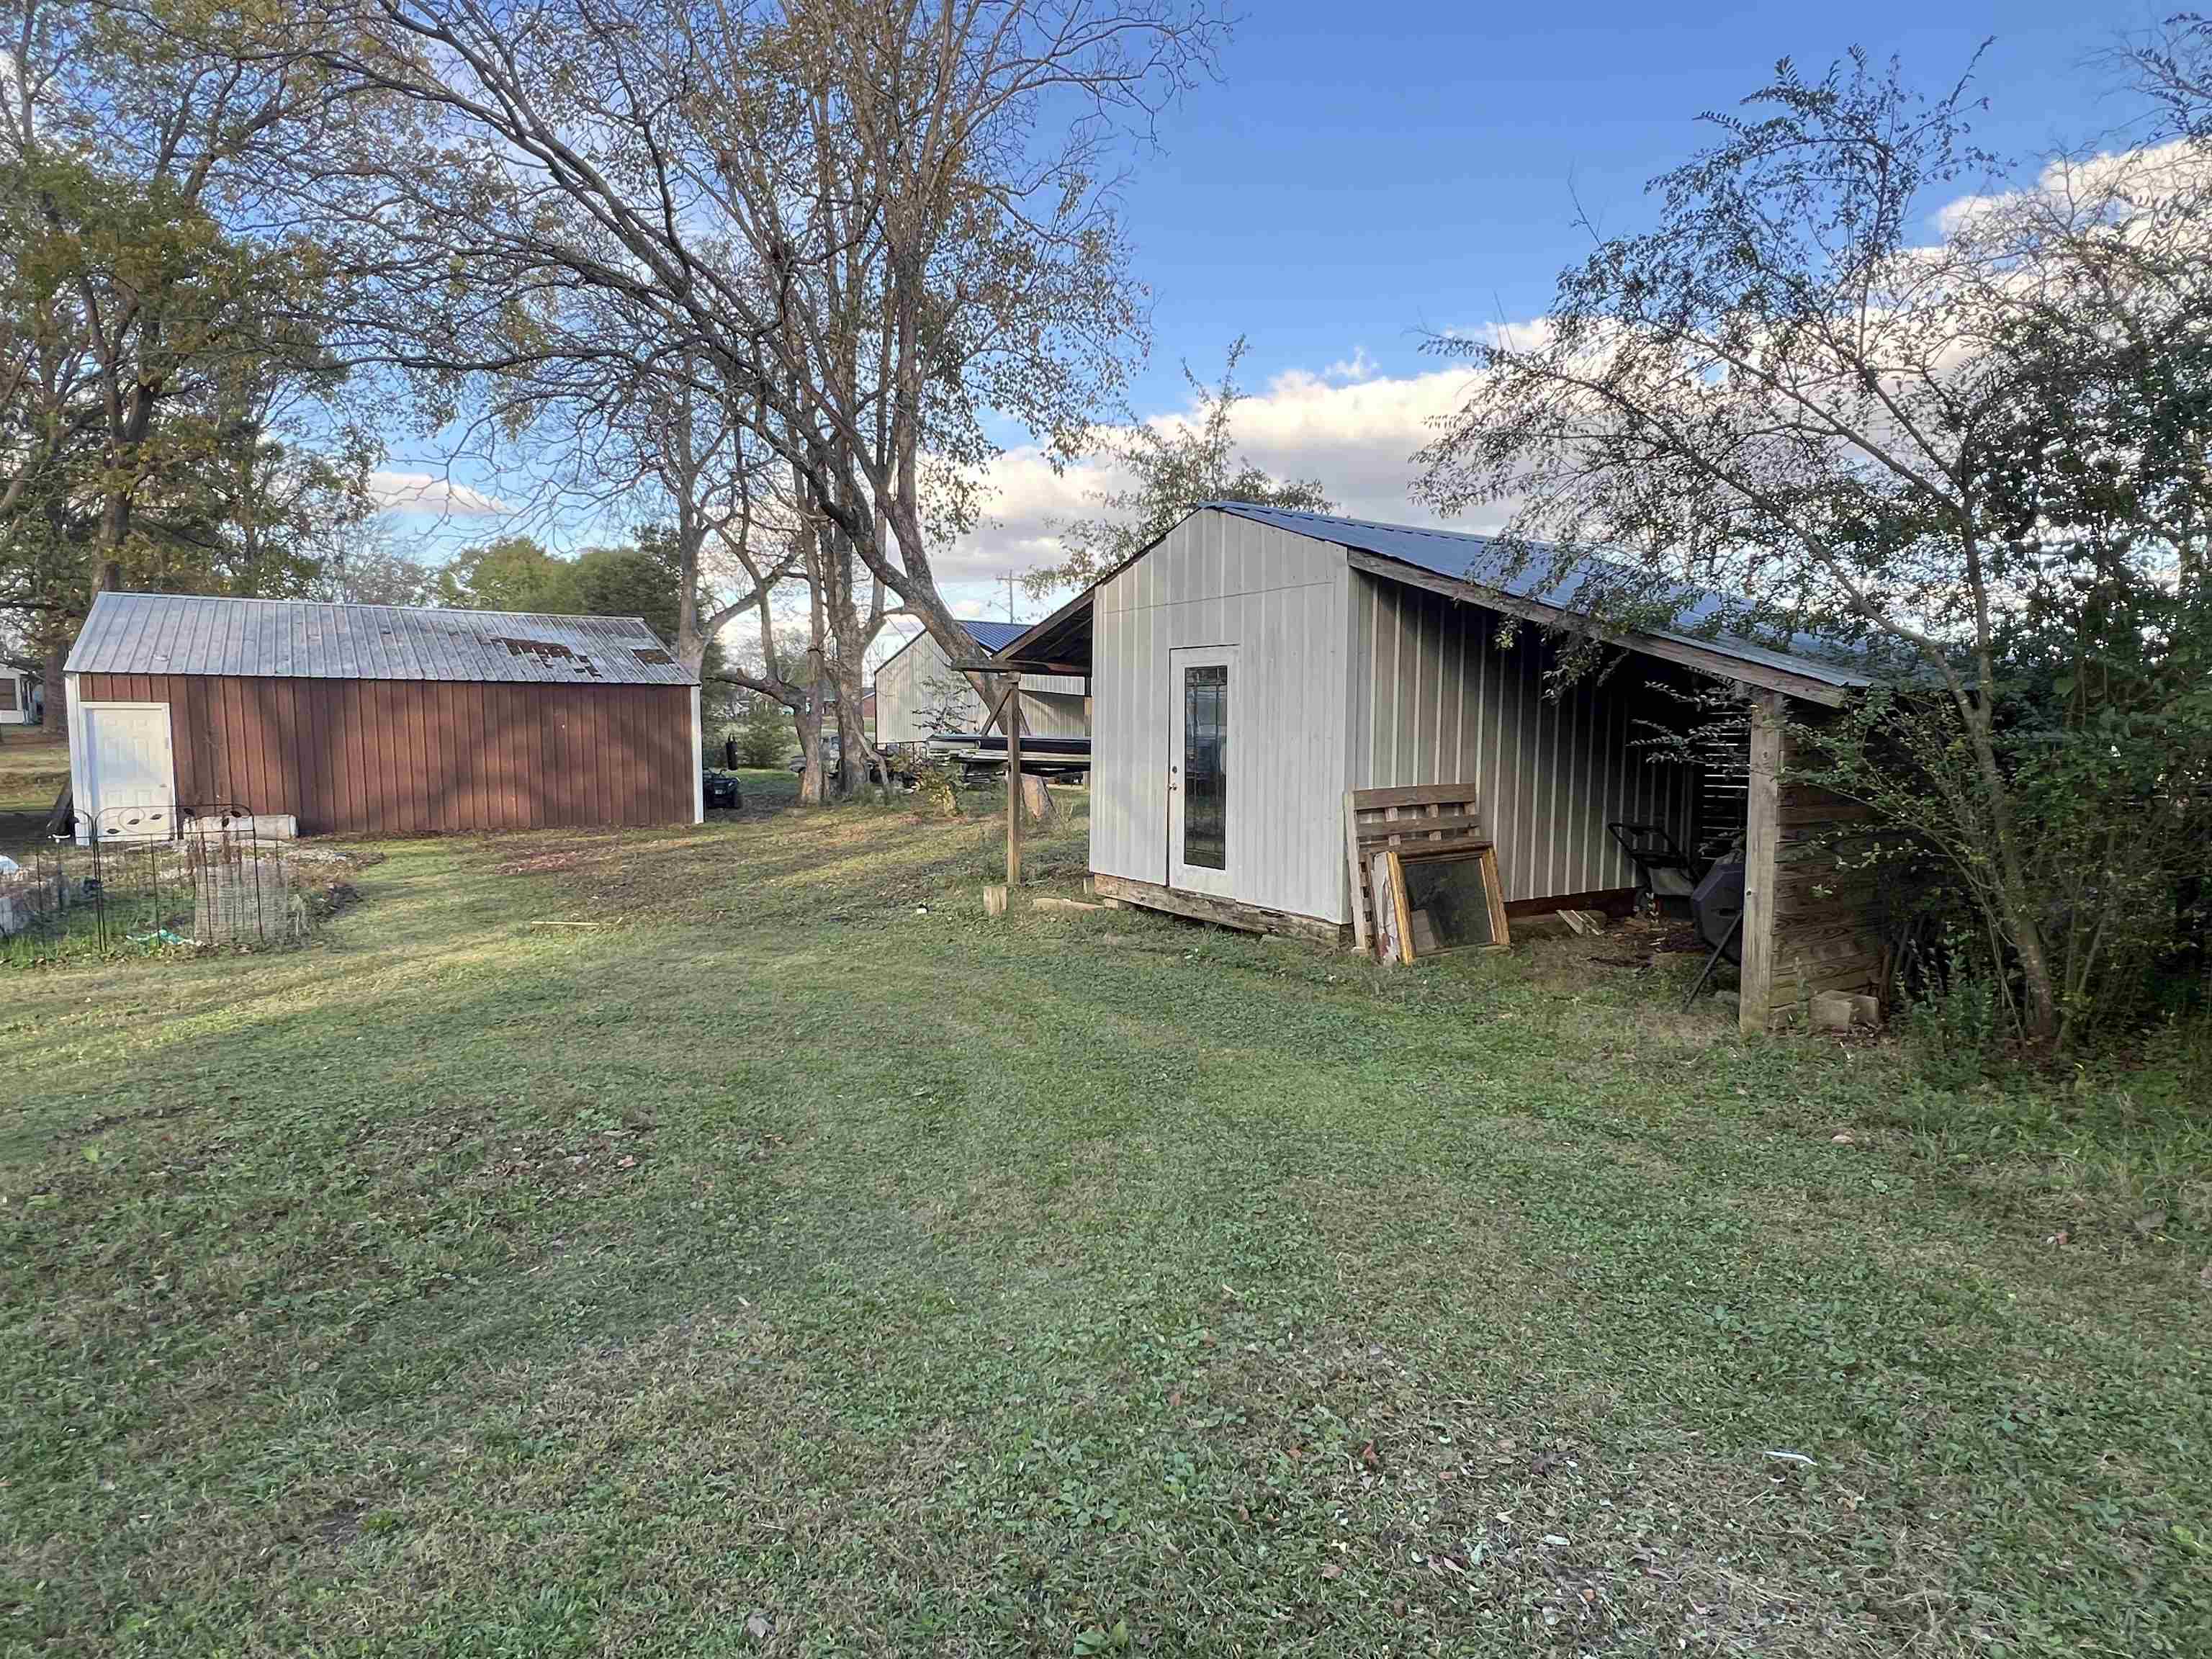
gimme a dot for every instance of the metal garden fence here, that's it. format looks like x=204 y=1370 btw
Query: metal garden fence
x=112 y=889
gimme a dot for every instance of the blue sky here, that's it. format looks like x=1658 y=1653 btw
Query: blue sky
x=1366 y=173
x=1363 y=175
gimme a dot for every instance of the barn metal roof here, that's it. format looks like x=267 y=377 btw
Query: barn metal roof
x=1465 y=557
x=298 y=638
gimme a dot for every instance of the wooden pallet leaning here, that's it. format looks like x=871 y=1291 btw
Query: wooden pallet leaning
x=1418 y=819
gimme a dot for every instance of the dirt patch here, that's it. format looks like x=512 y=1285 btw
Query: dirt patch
x=539 y=863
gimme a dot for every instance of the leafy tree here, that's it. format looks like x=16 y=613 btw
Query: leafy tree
x=763 y=730
x=644 y=580
x=1174 y=466
x=513 y=572
x=1979 y=461
x=156 y=377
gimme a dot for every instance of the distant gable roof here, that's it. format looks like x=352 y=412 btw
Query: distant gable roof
x=1466 y=556
x=300 y=639
x=992 y=636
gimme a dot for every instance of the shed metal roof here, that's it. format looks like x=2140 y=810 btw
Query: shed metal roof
x=298 y=638
x=1465 y=557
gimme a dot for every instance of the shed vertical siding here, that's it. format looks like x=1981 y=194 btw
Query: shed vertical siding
x=907 y=688
x=1434 y=698
x=398 y=758
x=1282 y=600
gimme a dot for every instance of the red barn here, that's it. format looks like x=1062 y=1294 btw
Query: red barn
x=374 y=719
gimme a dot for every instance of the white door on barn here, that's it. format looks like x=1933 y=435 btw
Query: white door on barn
x=130 y=771
x=1199 y=802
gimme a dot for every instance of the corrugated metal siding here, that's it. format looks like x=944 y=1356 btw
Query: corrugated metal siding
x=906 y=687
x=1433 y=698
x=285 y=638
x=403 y=757
x=1283 y=600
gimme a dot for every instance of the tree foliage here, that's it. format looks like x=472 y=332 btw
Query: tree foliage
x=170 y=413
x=1974 y=462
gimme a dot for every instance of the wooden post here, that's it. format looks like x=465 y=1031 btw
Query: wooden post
x=1754 y=1001
x=1014 y=725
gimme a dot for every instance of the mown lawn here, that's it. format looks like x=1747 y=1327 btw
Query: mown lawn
x=800 y=1262
x=33 y=766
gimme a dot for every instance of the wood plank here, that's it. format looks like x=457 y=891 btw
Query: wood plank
x=1861 y=975
x=1359 y=875
x=1843 y=949
x=1792 y=932
x=1402 y=907
x=1226 y=912
x=1813 y=888
x=1755 y=975
x=1437 y=824
x=1493 y=889
x=1413 y=794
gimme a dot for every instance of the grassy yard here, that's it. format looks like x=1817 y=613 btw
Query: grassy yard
x=796 y=1261
x=33 y=766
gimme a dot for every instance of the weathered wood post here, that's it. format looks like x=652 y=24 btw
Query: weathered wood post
x=1014 y=725
x=1755 y=977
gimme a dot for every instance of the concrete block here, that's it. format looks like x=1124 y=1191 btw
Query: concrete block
x=1832 y=1011
x=257 y=826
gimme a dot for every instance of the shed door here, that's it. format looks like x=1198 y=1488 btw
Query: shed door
x=131 y=772
x=1200 y=802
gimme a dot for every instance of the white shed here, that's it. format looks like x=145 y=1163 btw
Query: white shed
x=920 y=695
x=1255 y=664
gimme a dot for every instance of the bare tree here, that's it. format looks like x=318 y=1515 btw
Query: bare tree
x=872 y=224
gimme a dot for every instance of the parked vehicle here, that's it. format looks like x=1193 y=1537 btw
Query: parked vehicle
x=720 y=791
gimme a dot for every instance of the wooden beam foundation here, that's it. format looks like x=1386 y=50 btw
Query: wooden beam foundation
x=1223 y=913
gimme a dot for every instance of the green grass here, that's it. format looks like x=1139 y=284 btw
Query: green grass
x=799 y=1246
x=33 y=766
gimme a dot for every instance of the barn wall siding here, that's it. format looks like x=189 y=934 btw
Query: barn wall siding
x=1281 y=600
x=1434 y=698
x=392 y=757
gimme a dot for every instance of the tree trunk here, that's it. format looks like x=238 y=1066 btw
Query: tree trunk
x=57 y=688
x=808 y=718
x=2039 y=1017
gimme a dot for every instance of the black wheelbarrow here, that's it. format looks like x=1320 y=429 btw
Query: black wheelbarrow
x=1663 y=871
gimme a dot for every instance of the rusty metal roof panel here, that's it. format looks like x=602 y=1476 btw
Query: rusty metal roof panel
x=295 y=639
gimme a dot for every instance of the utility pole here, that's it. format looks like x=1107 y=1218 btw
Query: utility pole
x=1008 y=578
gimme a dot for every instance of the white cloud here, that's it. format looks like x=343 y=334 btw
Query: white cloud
x=1358 y=367
x=428 y=492
x=1358 y=437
